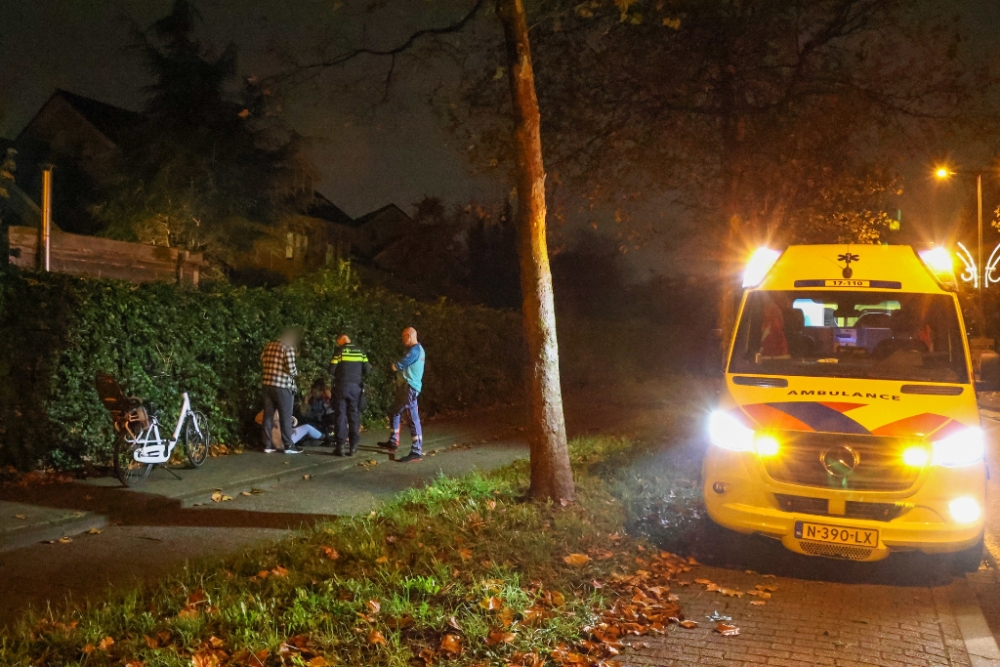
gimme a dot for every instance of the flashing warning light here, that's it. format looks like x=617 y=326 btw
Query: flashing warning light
x=916 y=456
x=766 y=445
x=939 y=262
x=760 y=263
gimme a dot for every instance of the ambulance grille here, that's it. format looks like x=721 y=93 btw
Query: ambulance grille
x=835 y=551
x=853 y=509
x=879 y=462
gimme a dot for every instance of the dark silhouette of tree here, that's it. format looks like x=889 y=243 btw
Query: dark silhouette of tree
x=764 y=118
x=212 y=161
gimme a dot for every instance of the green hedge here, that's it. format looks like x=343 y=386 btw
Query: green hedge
x=57 y=331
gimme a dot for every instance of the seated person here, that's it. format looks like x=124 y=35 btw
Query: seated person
x=316 y=408
x=905 y=346
x=800 y=346
x=299 y=432
x=772 y=335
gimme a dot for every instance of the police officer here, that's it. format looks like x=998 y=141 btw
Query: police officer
x=348 y=368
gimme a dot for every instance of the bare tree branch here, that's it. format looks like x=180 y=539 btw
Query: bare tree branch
x=299 y=69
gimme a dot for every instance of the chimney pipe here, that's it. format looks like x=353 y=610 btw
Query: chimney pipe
x=46 y=216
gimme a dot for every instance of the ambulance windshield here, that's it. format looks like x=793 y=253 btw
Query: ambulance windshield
x=861 y=334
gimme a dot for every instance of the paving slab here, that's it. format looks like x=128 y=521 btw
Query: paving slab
x=806 y=623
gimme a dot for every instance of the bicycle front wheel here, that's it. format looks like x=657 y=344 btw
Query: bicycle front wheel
x=197 y=438
x=129 y=471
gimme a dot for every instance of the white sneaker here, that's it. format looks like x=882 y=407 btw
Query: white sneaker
x=270 y=450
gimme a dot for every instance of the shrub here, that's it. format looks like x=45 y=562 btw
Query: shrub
x=160 y=340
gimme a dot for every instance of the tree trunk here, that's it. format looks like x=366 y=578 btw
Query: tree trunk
x=551 y=477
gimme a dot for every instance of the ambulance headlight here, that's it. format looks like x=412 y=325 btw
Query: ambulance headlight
x=727 y=432
x=964 y=448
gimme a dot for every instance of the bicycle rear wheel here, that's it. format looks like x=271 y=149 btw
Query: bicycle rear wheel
x=129 y=471
x=197 y=444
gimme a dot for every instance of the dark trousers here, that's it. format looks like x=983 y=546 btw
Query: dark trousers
x=347 y=415
x=405 y=403
x=282 y=400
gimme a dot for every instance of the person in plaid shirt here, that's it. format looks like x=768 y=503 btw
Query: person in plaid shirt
x=278 y=380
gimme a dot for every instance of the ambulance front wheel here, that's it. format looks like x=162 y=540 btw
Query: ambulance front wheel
x=969 y=560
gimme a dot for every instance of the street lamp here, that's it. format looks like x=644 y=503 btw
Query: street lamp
x=943 y=173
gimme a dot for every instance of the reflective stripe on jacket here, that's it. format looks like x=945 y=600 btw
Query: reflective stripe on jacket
x=349 y=366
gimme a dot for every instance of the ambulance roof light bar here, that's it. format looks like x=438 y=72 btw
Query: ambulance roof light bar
x=940 y=263
x=759 y=266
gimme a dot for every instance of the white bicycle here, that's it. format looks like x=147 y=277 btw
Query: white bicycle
x=138 y=443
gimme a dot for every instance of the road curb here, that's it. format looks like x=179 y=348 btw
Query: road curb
x=322 y=467
x=11 y=540
x=976 y=634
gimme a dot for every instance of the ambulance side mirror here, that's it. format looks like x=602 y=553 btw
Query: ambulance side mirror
x=989 y=372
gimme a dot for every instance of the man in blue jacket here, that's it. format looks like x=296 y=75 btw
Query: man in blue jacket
x=409 y=382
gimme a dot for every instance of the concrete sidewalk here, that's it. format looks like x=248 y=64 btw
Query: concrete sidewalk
x=49 y=512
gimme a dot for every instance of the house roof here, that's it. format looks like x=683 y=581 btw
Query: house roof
x=111 y=121
x=368 y=217
x=324 y=209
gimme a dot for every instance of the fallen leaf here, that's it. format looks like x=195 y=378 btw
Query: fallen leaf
x=451 y=644
x=375 y=637
x=687 y=625
x=318 y=661
x=576 y=560
x=596 y=584
x=727 y=630
x=217 y=497
x=465 y=554
x=499 y=637
x=64 y=540
x=307 y=477
x=757 y=603
x=205 y=658
x=245 y=493
x=94 y=531
x=105 y=644
x=381 y=560
x=279 y=571
x=330 y=553
x=491 y=603
x=374 y=606
x=244 y=114
x=21 y=516
x=427 y=654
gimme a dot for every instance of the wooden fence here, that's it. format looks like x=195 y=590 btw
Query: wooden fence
x=104 y=258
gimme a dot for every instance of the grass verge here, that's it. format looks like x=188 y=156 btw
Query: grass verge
x=461 y=572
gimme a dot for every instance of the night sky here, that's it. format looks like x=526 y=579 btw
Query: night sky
x=370 y=152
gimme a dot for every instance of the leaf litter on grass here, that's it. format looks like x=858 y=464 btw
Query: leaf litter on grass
x=561 y=585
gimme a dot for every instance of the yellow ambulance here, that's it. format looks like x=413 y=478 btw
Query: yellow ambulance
x=848 y=427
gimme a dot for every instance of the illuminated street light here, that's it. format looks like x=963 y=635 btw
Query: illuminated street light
x=944 y=172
